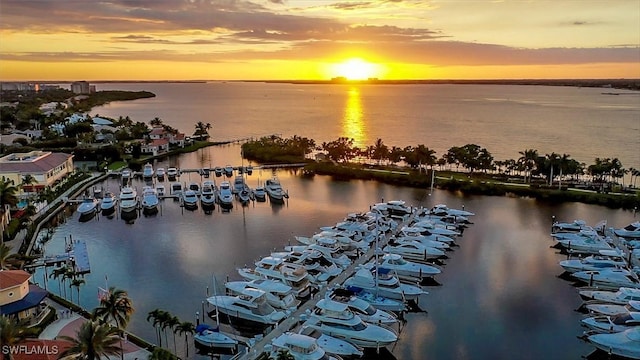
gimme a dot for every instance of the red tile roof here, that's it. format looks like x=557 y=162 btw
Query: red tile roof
x=157 y=131
x=159 y=142
x=11 y=278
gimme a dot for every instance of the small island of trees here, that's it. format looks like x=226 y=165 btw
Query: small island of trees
x=469 y=168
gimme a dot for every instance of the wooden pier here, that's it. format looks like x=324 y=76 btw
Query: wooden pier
x=76 y=255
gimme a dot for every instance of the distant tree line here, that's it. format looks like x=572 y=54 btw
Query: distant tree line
x=469 y=158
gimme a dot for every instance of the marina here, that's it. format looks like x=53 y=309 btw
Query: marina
x=174 y=229
x=500 y=292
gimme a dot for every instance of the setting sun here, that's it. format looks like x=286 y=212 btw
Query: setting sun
x=357 y=69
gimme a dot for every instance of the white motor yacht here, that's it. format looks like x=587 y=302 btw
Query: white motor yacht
x=274 y=190
x=626 y=343
x=238 y=184
x=260 y=193
x=160 y=173
x=108 y=203
x=621 y=296
x=605 y=259
x=397 y=264
x=379 y=302
x=332 y=345
x=249 y=309
x=225 y=196
x=611 y=278
x=612 y=323
x=613 y=309
x=161 y=191
x=362 y=308
x=149 y=200
x=630 y=231
x=218 y=171
x=189 y=199
x=128 y=199
x=207 y=194
x=442 y=209
x=147 y=171
x=421 y=234
x=274 y=268
x=585 y=241
x=87 y=208
x=245 y=194
x=177 y=189
x=195 y=187
x=319 y=267
x=413 y=250
x=299 y=347
x=335 y=319
x=279 y=295
x=424 y=241
x=431 y=227
x=126 y=175
x=228 y=170
x=209 y=336
x=172 y=173
x=574 y=226
x=385 y=285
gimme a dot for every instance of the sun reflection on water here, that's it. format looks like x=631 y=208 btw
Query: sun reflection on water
x=353 y=126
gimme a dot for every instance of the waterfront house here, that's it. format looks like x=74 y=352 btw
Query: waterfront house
x=155 y=147
x=173 y=138
x=47 y=168
x=19 y=298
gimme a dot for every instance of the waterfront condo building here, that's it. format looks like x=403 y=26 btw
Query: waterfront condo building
x=46 y=168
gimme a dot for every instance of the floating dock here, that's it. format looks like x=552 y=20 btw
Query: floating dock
x=76 y=256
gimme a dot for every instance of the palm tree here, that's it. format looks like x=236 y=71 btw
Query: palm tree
x=156 y=122
x=528 y=161
x=77 y=283
x=159 y=353
x=187 y=329
x=12 y=332
x=58 y=273
x=93 y=341
x=155 y=315
x=8 y=192
x=172 y=323
x=161 y=320
x=202 y=130
x=115 y=308
x=5 y=256
x=27 y=180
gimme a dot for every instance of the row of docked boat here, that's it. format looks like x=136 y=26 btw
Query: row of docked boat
x=172 y=173
x=127 y=201
x=208 y=193
x=358 y=312
x=606 y=264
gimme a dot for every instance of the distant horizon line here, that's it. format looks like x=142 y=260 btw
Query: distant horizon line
x=339 y=80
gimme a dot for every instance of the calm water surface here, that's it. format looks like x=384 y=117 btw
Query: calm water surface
x=506 y=119
x=500 y=298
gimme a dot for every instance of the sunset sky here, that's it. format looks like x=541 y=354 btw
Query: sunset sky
x=318 y=39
